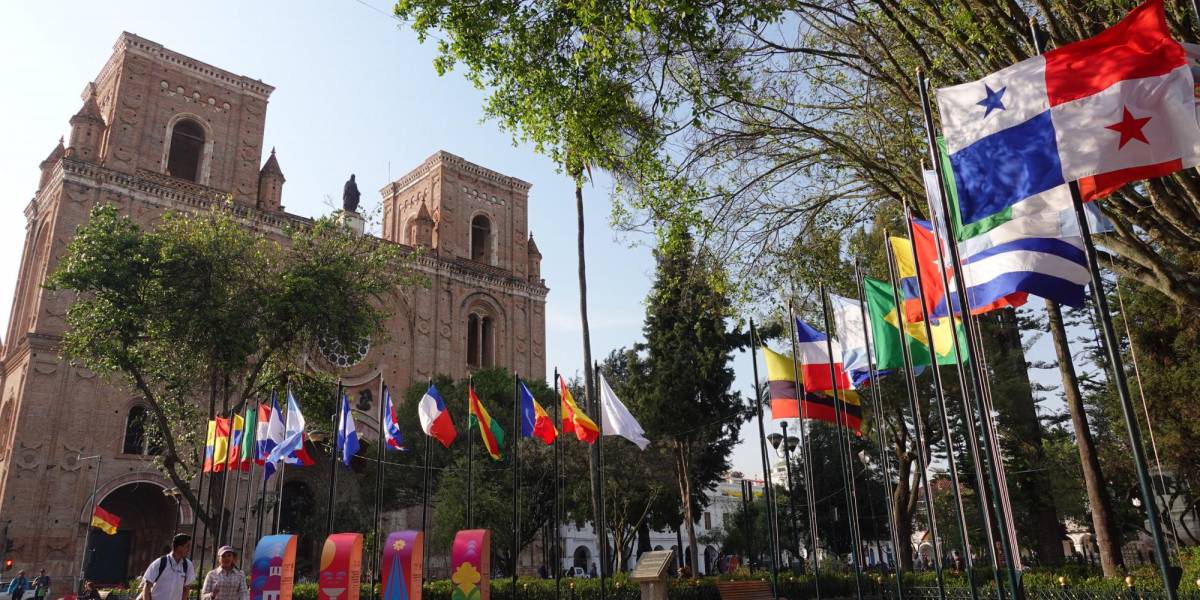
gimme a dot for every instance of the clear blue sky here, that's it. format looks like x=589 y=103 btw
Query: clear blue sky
x=355 y=92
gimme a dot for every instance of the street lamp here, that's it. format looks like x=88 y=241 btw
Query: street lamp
x=176 y=495
x=789 y=443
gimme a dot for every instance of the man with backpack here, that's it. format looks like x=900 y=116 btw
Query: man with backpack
x=169 y=576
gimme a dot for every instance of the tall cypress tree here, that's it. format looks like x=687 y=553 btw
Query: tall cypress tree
x=686 y=389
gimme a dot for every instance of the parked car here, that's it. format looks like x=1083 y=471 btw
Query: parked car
x=577 y=572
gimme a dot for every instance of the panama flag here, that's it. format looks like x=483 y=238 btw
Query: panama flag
x=391 y=427
x=347 y=434
x=1106 y=111
x=814 y=360
x=534 y=420
x=435 y=419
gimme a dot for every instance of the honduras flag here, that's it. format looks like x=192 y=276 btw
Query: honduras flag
x=347 y=436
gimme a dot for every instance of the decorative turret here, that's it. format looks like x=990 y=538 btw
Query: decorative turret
x=535 y=260
x=47 y=165
x=270 y=185
x=87 y=130
x=421 y=233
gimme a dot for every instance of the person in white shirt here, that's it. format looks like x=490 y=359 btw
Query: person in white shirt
x=169 y=576
x=226 y=582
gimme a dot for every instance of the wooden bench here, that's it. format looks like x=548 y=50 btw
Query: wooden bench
x=753 y=589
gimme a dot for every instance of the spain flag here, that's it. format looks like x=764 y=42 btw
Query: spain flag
x=489 y=429
x=575 y=420
x=105 y=521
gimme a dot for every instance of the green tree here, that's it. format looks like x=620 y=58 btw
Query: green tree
x=205 y=306
x=686 y=396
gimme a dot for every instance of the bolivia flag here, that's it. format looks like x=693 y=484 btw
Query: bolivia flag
x=221 y=445
x=534 y=420
x=210 y=446
x=575 y=420
x=105 y=521
x=489 y=429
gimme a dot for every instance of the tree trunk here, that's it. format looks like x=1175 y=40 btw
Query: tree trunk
x=1099 y=501
x=685 y=496
x=590 y=403
x=907 y=487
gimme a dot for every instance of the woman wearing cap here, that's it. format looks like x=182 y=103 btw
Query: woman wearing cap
x=226 y=582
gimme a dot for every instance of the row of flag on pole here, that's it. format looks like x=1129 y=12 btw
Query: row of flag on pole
x=535 y=422
x=261 y=436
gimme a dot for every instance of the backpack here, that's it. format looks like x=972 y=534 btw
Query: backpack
x=162 y=565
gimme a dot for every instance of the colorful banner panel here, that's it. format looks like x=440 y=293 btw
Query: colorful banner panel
x=341 y=567
x=403 y=554
x=272 y=572
x=470 y=564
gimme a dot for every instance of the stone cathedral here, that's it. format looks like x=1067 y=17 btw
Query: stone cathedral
x=159 y=131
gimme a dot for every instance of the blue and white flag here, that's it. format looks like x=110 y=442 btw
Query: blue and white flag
x=347 y=436
x=290 y=450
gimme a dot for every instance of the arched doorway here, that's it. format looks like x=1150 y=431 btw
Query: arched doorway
x=583 y=555
x=148 y=519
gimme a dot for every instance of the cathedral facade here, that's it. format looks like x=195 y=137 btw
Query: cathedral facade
x=159 y=131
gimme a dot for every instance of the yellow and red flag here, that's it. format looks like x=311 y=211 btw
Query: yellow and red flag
x=105 y=521
x=489 y=429
x=575 y=420
x=221 y=446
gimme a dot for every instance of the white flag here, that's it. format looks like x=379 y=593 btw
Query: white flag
x=616 y=418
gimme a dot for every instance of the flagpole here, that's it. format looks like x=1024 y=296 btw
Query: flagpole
x=877 y=409
x=425 y=500
x=940 y=399
x=87 y=538
x=919 y=437
x=212 y=414
x=766 y=464
x=602 y=526
x=839 y=418
x=379 y=474
x=262 y=499
x=806 y=452
x=471 y=421
x=1007 y=543
x=217 y=540
x=283 y=463
x=516 y=474
x=557 y=484
x=333 y=457
x=237 y=481
x=246 y=512
x=977 y=457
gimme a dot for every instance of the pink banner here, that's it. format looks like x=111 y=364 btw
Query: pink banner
x=470 y=564
x=273 y=568
x=341 y=567
x=403 y=554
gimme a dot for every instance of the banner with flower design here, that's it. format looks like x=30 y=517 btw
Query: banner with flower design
x=470 y=563
x=271 y=573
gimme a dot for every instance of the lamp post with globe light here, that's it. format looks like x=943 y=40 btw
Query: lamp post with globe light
x=788 y=443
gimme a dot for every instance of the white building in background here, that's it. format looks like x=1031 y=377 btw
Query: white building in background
x=580 y=548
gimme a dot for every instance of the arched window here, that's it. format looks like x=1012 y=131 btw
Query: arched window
x=481 y=239
x=135 y=431
x=481 y=341
x=187 y=150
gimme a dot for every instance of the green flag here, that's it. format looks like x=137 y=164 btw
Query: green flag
x=249 y=443
x=885 y=329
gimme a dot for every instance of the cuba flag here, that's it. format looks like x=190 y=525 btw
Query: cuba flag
x=435 y=418
x=347 y=436
x=391 y=428
x=1105 y=111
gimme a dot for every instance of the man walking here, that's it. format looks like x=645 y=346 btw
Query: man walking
x=169 y=576
x=18 y=585
x=41 y=586
x=226 y=582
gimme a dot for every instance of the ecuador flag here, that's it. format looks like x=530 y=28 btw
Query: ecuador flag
x=210 y=446
x=105 y=521
x=489 y=429
x=575 y=420
x=781 y=383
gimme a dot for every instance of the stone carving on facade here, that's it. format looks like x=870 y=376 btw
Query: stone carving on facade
x=69 y=462
x=28 y=456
